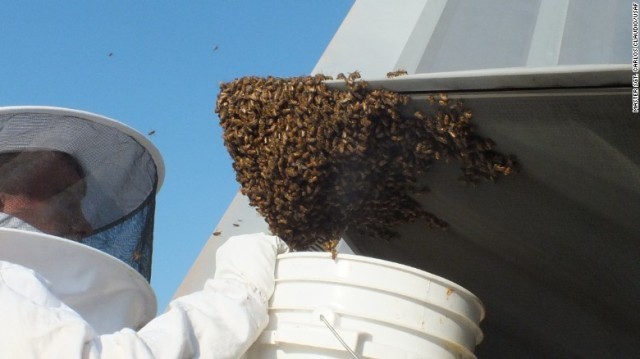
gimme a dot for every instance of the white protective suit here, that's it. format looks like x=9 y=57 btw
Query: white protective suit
x=220 y=321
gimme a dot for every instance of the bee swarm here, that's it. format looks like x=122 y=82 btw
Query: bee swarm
x=314 y=160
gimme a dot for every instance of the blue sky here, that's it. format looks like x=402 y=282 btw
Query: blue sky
x=167 y=60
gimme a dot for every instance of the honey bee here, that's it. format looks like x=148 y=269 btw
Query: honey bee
x=136 y=256
x=331 y=246
x=443 y=99
x=350 y=80
x=354 y=75
x=505 y=170
x=396 y=73
x=291 y=139
x=432 y=99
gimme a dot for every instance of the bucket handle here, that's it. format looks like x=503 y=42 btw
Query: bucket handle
x=315 y=335
x=335 y=333
x=307 y=335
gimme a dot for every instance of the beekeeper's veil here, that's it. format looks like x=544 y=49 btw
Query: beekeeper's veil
x=123 y=171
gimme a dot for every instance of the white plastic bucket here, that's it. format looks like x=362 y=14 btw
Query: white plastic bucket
x=379 y=309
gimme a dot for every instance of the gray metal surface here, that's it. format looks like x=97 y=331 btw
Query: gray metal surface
x=553 y=251
x=432 y=36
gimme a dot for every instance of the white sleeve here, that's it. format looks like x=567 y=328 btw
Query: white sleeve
x=221 y=321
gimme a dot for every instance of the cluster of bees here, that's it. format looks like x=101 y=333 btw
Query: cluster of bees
x=314 y=160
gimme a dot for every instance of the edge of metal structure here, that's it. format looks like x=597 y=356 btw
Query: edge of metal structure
x=517 y=78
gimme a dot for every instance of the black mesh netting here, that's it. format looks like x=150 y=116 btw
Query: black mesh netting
x=130 y=240
x=120 y=175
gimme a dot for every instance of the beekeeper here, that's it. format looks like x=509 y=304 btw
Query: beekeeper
x=77 y=201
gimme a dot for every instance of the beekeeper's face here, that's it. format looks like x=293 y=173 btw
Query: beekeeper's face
x=56 y=209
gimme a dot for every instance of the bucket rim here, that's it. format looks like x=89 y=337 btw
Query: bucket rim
x=460 y=290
